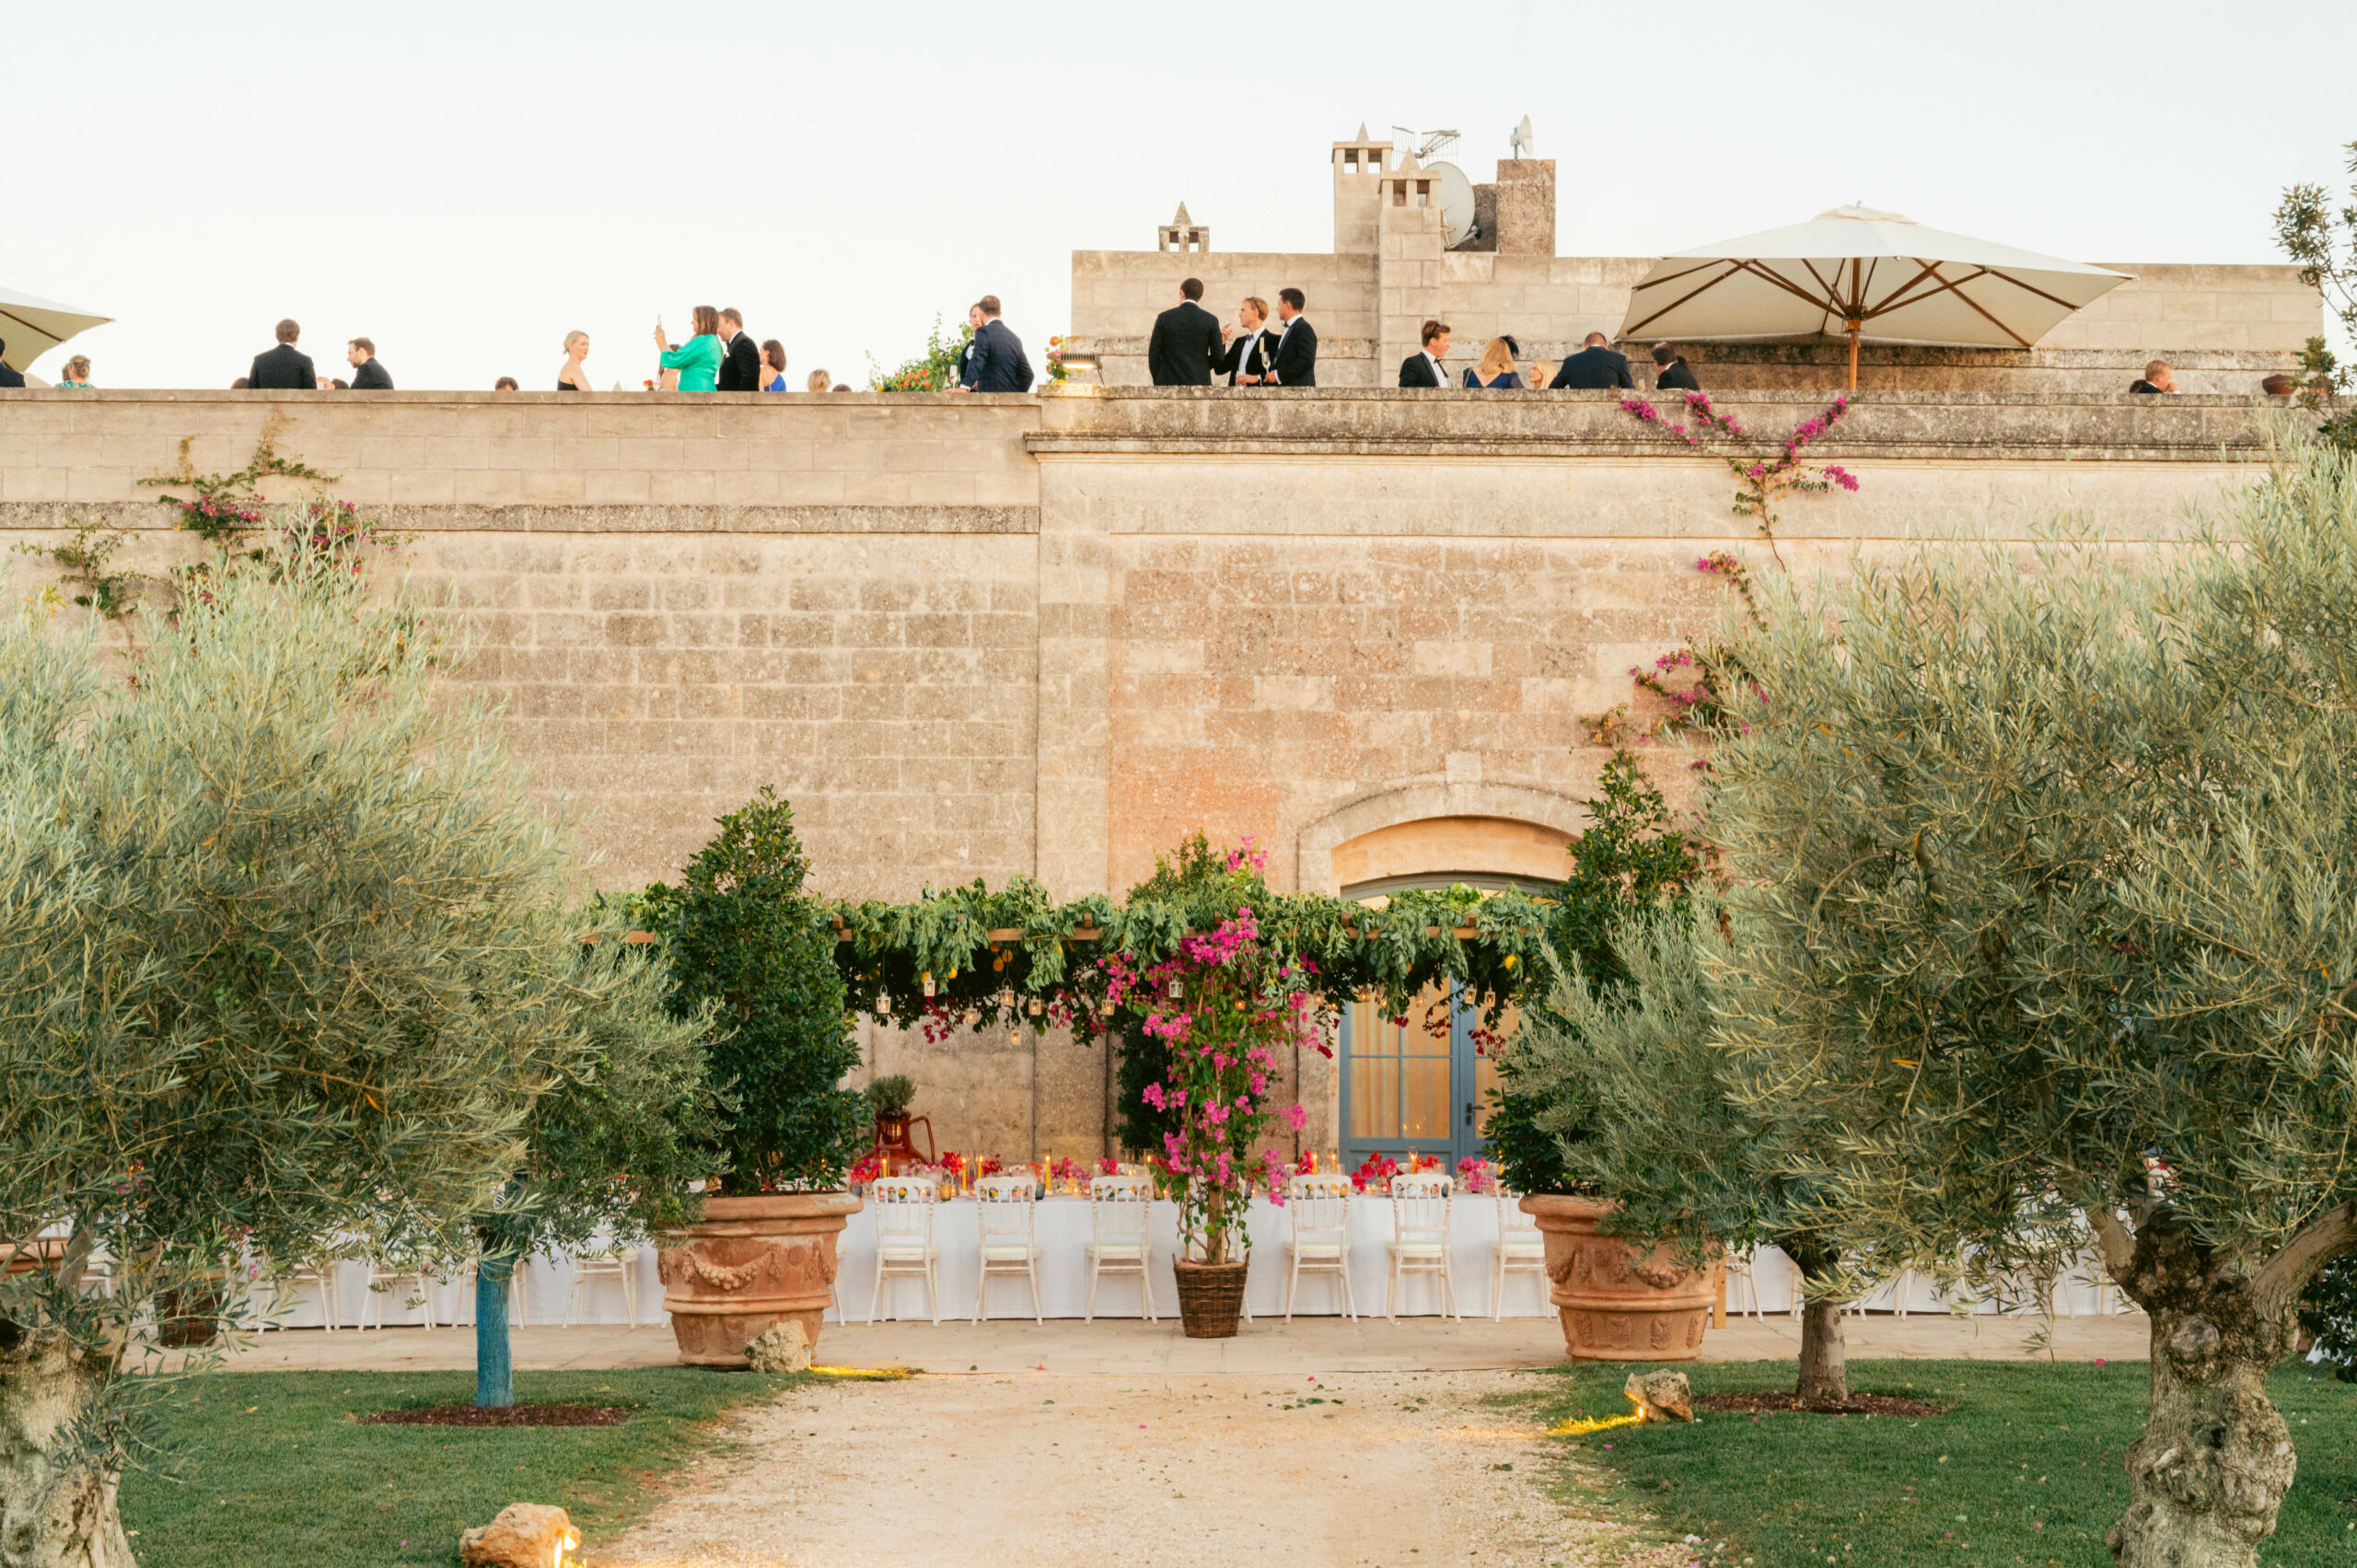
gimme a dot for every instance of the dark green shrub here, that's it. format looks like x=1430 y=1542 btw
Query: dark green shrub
x=742 y=934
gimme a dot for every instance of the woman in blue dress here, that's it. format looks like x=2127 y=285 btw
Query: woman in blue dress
x=1496 y=372
x=772 y=367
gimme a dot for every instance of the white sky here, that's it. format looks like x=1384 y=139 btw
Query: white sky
x=465 y=183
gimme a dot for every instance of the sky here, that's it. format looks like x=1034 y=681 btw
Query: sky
x=465 y=183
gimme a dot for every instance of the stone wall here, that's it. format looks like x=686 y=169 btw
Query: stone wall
x=1050 y=636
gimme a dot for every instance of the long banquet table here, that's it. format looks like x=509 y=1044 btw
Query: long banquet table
x=1062 y=1229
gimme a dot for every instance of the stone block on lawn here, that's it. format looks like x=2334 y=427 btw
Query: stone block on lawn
x=526 y=1535
x=782 y=1347
x=1662 y=1395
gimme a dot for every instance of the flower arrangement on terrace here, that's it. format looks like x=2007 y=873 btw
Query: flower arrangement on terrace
x=1056 y=371
x=1224 y=1003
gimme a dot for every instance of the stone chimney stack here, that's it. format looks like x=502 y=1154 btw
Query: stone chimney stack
x=1359 y=167
x=1526 y=207
x=1183 y=233
x=1408 y=263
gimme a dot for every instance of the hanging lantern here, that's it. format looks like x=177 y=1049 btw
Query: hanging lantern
x=1014 y=1035
x=884 y=1004
x=1106 y=1007
x=1037 y=1007
x=1176 y=991
x=973 y=1016
x=928 y=982
x=1006 y=996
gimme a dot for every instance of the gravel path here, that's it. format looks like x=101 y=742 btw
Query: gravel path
x=1045 y=1470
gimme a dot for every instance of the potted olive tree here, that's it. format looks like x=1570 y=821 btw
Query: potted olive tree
x=1616 y=1300
x=745 y=941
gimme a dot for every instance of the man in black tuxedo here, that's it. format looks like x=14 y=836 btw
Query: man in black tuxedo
x=367 y=376
x=1671 y=375
x=1296 y=364
x=1185 y=342
x=997 y=363
x=1245 y=362
x=9 y=377
x=740 y=357
x=284 y=368
x=1423 y=368
x=1594 y=368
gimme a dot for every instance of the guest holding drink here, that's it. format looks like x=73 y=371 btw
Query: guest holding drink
x=572 y=376
x=772 y=367
x=1496 y=372
x=698 y=359
x=1250 y=347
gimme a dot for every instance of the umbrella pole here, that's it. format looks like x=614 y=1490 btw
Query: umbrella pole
x=1854 y=325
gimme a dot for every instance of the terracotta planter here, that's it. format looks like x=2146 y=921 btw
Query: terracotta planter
x=1616 y=1303
x=1211 y=1297
x=750 y=1263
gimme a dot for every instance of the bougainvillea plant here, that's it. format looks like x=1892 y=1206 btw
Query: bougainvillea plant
x=1225 y=1005
x=1762 y=476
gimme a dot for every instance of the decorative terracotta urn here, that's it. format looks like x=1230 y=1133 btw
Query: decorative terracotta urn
x=899 y=1149
x=748 y=1264
x=1617 y=1303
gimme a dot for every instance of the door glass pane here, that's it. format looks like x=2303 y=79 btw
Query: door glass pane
x=1399 y=1072
x=1487 y=1039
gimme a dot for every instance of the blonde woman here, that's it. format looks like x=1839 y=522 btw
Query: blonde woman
x=818 y=382
x=77 y=375
x=572 y=376
x=1496 y=372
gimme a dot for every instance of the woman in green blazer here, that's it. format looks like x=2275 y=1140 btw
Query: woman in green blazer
x=698 y=359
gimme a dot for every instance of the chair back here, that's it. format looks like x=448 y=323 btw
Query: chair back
x=1512 y=1222
x=1004 y=1205
x=903 y=1206
x=1420 y=1204
x=1321 y=1206
x=1118 y=1207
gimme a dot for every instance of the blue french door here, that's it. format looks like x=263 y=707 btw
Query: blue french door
x=1419 y=1086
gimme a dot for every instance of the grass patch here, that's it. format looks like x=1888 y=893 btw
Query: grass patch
x=2029 y=1456
x=283 y=1473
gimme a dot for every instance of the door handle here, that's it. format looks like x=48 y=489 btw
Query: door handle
x=1468 y=1113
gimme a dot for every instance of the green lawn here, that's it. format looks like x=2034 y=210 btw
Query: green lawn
x=284 y=1476
x=2024 y=1470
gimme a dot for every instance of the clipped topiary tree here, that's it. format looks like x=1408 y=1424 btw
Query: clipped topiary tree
x=286 y=947
x=2043 y=885
x=747 y=946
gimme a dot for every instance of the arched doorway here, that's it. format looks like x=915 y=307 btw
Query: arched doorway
x=1422 y=1082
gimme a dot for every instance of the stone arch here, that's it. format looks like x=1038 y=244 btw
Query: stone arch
x=1509 y=805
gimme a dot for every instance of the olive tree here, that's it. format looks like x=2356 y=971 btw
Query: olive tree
x=1691 y=1143
x=2045 y=882
x=282 y=945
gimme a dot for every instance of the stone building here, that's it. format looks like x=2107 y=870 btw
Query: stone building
x=2223 y=328
x=1047 y=636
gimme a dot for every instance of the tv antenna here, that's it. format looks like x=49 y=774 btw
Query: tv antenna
x=1433 y=143
x=1521 y=140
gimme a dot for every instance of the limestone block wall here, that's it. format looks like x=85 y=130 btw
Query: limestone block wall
x=1049 y=636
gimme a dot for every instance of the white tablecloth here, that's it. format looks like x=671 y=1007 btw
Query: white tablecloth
x=1062 y=1225
x=1062 y=1228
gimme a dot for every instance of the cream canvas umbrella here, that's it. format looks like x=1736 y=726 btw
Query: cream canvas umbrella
x=32 y=327
x=1862 y=274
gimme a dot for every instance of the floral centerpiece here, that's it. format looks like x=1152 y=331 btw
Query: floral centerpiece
x=1224 y=1004
x=1056 y=371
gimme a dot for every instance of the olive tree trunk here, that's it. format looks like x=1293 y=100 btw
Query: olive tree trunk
x=494 y=1357
x=2215 y=1460
x=57 y=1486
x=1824 y=1362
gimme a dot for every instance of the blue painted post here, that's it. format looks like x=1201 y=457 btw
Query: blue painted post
x=494 y=1369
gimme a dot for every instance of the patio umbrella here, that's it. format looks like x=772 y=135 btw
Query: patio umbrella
x=1863 y=274
x=32 y=327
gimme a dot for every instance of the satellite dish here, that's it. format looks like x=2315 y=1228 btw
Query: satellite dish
x=1452 y=194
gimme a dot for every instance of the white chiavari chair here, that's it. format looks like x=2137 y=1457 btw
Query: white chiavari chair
x=1419 y=1240
x=904 y=1244
x=1118 y=1207
x=1319 y=1209
x=383 y=1282
x=1742 y=1283
x=1518 y=1249
x=617 y=1263
x=1004 y=1209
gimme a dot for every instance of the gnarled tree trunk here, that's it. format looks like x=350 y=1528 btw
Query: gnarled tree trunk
x=1824 y=1362
x=57 y=1498
x=2215 y=1459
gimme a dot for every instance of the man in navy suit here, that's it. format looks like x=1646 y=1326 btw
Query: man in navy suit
x=1185 y=342
x=1594 y=369
x=997 y=363
x=1424 y=368
x=284 y=368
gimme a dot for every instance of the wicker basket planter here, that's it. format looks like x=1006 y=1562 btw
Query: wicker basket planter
x=1616 y=1303
x=1211 y=1297
x=748 y=1264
